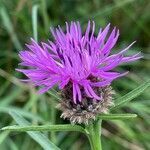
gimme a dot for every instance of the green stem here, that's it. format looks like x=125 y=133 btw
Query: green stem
x=94 y=135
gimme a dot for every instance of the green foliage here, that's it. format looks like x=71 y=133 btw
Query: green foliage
x=20 y=20
x=131 y=95
x=37 y=136
x=116 y=116
x=92 y=130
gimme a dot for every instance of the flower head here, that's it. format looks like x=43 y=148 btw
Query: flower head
x=80 y=60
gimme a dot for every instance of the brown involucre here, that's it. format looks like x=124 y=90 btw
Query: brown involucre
x=86 y=110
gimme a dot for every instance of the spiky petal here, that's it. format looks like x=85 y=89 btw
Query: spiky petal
x=72 y=58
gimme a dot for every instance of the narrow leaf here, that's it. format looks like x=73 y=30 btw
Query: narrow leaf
x=131 y=95
x=116 y=116
x=22 y=112
x=40 y=138
x=66 y=127
x=9 y=27
x=34 y=21
x=53 y=93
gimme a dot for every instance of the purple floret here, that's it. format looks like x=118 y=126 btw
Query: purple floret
x=73 y=58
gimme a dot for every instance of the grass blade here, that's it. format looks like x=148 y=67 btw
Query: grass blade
x=54 y=94
x=21 y=112
x=34 y=21
x=10 y=98
x=108 y=9
x=131 y=95
x=45 y=15
x=37 y=136
x=9 y=27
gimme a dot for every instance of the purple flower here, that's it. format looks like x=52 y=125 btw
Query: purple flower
x=73 y=58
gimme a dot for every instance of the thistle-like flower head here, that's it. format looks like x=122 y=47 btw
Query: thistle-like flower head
x=74 y=58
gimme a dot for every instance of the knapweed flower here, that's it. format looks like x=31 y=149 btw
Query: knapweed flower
x=81 y=64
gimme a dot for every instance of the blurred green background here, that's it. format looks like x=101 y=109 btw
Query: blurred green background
x=18 y=24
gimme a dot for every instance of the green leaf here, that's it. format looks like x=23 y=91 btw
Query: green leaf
x=40 y=138
x=131 y=95
x=116 y=116
x=54 y=93
x=3 y=137
x=67 y=127
x=22 y=112
x=9 y=27
x=108 y=9
x=34 y=21
x=7 y=100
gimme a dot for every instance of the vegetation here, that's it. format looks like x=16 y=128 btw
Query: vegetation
x=19 y=102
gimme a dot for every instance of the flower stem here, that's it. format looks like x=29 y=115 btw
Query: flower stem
x=94 y=135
